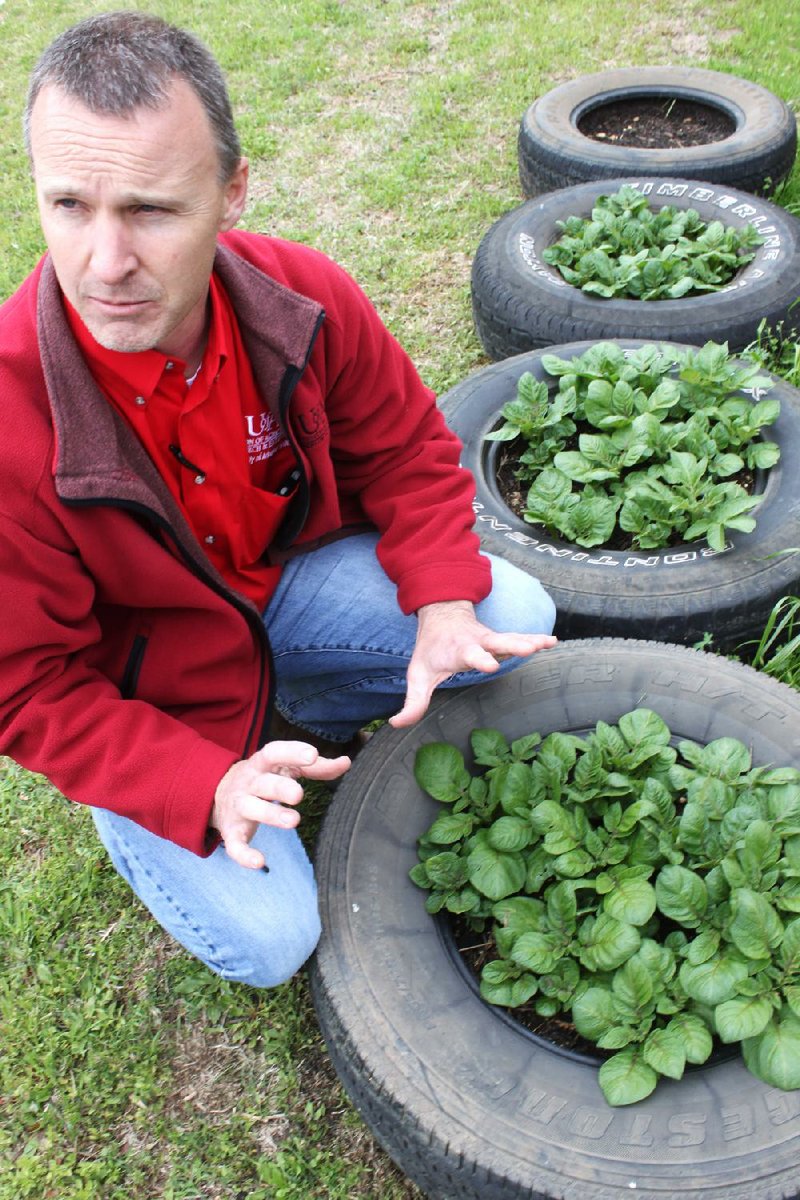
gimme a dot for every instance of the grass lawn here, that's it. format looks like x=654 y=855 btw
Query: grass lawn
x=384 y=134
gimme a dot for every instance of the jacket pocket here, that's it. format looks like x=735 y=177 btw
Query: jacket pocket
x=130 y=676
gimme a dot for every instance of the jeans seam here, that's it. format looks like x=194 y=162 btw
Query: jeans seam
x=338 y=648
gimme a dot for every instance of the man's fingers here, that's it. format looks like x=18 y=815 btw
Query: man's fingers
x=418 y=697
x=518 y=645
x=268 y=786
x=295 y=756
x=477 y=658
x=409 y=714
x=243 y=854
x=298 y=758
x=267 y=812
x=327 y=768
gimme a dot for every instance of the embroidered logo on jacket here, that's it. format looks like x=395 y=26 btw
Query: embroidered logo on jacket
x=312 y=426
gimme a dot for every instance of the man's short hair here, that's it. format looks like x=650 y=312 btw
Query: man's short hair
x=117 y=62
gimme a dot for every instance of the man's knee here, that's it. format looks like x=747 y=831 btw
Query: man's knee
x=270 y=956
x=517 y=603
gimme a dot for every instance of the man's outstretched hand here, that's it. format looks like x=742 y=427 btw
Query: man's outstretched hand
x=450 y=638
x=263 y=790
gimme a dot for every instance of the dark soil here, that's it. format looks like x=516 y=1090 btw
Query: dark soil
x=656 y=123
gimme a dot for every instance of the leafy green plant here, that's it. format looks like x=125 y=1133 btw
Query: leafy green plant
x=631 y=250
x=649 y=889
x=643 y=443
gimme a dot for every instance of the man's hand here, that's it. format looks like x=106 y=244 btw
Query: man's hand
x=450 y=638
x=254 y=791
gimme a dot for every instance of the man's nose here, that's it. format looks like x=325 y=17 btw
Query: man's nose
x=112 y=255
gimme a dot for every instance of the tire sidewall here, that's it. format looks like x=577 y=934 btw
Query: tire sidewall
x=677 y=594
x=509 y=264
x=457 y=1072
x=764 y=126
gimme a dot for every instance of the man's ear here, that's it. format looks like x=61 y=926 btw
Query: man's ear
x=235 y=196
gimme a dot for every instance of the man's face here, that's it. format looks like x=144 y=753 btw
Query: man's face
x=130 y=208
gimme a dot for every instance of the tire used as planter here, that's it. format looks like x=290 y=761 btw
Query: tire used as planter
x=677 y=594
x=468 y=1103
x=519 y=302
x=755 y=149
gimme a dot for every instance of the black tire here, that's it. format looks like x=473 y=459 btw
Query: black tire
x=467 y=1102
x=757 y=156
x=676 y=595
x=520 y=303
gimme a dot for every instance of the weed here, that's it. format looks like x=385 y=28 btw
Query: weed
x=776 y=351
x=777 y=653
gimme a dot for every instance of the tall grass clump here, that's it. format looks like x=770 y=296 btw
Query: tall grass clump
x=777 y=653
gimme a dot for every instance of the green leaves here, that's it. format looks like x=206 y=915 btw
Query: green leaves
x=440 y=770
x=694 y=1035
x=632 y=901
x=681 y=895
x=724 y=758
x=646 y=888
x=492 y=872
x=587 y=518
x=742 y=1017
x=626 y=1078
x=506 y=984
x=641 y=444
x=774 y=1055
x=594 y=1013
x=755 y=928
x=544 y=425
x=629 y=250
x=714 y=981
x=607 y=943
x=451 y=827
x=538 y=952
x=665 y=1052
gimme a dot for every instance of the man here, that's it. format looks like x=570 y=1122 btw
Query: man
x=224 y=489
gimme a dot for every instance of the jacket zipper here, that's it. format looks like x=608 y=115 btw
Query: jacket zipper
x=298 y=512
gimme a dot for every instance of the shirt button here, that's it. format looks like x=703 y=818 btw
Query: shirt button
x=209 y=539
x=199 y=478
x=169 y=366
x=140 y=400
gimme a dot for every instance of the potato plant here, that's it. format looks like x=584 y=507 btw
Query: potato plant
x=651 y=890
x=631 y=251
x=644 y=444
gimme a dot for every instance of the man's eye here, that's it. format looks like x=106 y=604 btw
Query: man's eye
x=66 y=202
x=148 y=208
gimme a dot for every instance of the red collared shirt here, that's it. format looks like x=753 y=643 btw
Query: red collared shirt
x=222 y=454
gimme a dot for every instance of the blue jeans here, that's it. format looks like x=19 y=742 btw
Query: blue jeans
x=341 y=647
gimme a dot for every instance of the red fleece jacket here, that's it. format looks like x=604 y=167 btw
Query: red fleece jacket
x=132 y=675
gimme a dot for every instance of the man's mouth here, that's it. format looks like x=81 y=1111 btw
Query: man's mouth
x=119 y=306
